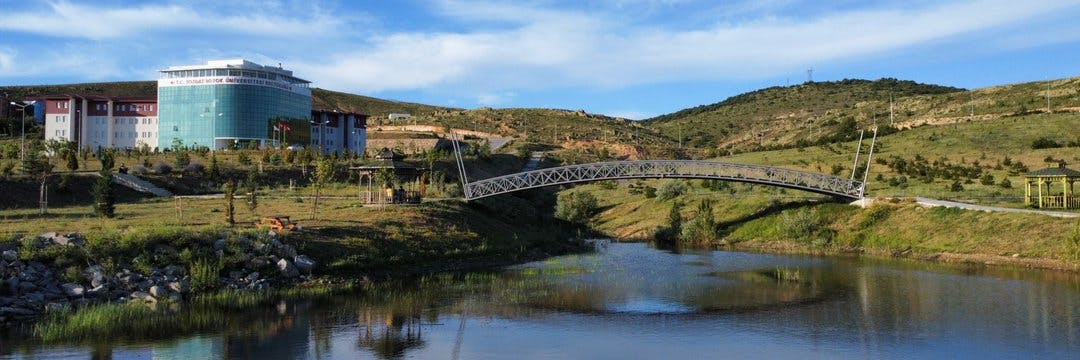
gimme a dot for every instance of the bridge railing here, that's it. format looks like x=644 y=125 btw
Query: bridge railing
x=759 y=174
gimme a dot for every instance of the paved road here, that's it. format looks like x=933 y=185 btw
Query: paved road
x=946 y=203
x=497 y=143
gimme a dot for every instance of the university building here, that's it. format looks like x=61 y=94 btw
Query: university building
x=221 y=104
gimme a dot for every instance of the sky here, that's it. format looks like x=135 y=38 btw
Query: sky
x=628 y=58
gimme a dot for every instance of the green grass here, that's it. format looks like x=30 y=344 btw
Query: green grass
x=809 y=112
x=986 y=142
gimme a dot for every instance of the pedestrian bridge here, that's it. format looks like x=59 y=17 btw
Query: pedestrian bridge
x=661 y=169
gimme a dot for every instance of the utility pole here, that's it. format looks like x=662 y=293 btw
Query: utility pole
x=810 y=75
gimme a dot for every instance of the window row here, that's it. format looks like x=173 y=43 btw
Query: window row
x=125 y=107
x=230 y=72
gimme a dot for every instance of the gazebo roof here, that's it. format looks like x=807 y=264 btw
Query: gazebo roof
x=1059 y=171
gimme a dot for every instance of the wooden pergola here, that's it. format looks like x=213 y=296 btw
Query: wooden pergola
x=405 y=173
x=1045 y=180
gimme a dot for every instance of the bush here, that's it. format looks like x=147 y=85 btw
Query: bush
x=703 y=227
x=182 y=158
x=104 y=202
x=1044 y=143
x=956 y=186
x=987 y=180
x=1005 y=183
x=670 y=189
x=243 y=158
x=161 y=168
x=576 y=207
x=205 y=273
x=804 y=225
x=649 y=192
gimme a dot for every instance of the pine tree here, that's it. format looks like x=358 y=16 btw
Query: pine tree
x=104 y=203
x=215 y=171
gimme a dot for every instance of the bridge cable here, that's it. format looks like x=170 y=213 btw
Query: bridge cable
x=460 y=164
x=866 y=173
x=855 y=164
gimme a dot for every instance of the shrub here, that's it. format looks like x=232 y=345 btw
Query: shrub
x=205 y=273
x=987 y=180
x=649 y=192
x=1044 y=143
x=243 y=158
x=1005 y=183
x=104 y=202
x=576 y=207
x=161 y=168
x=703 y=227
x=670 y=189
x=804 y=225
x=956 y=186
x=182 y=158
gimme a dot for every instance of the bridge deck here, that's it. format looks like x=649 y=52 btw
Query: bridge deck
x=691 y=169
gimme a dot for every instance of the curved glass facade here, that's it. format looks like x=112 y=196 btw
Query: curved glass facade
x=199 y=114
x=227 y=101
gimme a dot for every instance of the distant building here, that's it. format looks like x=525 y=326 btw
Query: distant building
x=398 y=116
x=217 y=105
x=338 y=131
x=230 y=101
x=98 y=121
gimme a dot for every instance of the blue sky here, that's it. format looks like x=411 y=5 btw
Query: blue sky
x=630 y=58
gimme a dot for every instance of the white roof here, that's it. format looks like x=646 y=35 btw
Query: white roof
x=232 y=64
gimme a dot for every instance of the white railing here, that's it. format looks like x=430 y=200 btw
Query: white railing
x=691 y=169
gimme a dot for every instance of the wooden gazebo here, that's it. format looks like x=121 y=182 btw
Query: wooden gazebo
x=1045 y=181
x=408 y=177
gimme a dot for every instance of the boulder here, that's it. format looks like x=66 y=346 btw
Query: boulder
x=159 y=291
x=252 y=277
x=10 y=255
x=95 y=275
x=304 y=263
x=72 y=289
x=174 y=270
x=139 y=295
x=181 y=286
x=287 y=268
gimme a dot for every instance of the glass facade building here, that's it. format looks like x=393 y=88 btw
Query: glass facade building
x=229 y=101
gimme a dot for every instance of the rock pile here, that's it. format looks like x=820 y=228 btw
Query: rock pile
x=29 y=288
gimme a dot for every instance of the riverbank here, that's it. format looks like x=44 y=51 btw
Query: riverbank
x=761 y=219
x=166 y=265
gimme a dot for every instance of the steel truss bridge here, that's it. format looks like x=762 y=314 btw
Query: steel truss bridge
x=847 y=188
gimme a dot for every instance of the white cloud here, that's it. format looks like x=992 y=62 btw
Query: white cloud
x=70 y=20
x=7 y=62
x=547 y=48
x=492 y=99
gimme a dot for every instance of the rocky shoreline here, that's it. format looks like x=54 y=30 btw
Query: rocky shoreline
x=30 y=287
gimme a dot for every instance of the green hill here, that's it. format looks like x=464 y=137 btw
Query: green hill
x=320 y=98
x=777 y=116
x=822 y=112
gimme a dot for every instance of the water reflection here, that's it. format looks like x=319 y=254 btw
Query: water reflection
x=633 y=301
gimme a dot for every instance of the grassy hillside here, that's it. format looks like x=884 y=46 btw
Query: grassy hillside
x=818 y=112
x=962 y=152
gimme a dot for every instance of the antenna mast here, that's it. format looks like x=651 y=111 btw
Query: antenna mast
x=810 y=75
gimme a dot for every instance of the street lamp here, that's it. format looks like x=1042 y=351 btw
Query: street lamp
x=22 y=123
